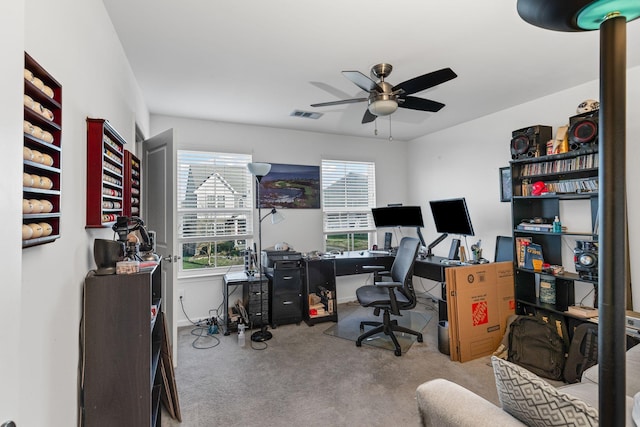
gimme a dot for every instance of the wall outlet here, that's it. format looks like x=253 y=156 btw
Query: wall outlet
x=181 y=294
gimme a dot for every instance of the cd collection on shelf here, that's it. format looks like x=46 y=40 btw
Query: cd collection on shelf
x=587 y=161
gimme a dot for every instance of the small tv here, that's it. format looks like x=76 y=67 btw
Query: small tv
x=451 y=216
x=398 y=216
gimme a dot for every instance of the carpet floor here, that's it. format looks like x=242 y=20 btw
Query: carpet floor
x=306 y=377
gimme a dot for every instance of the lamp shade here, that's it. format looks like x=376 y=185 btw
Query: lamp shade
x=259 y=169
x=575 y=15
x=383 y=107
x=276 y=217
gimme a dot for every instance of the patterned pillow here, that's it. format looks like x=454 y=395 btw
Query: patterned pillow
x=535 y=402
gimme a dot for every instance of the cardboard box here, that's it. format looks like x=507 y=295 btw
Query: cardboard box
x=480 y=299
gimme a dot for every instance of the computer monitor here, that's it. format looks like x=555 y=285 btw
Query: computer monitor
x=398 y=216
x=452 y=216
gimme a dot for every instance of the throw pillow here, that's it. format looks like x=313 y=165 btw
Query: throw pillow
x=535 y=402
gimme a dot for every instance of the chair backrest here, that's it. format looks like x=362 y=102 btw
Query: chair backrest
x=402 y=267
x=504 y=249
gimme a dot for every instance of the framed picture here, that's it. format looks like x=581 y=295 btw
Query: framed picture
x=505 y=184
x=291 y=186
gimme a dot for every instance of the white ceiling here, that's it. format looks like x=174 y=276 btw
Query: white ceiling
x=255 y=62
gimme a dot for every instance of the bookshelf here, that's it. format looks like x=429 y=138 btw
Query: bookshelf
x=569 y=178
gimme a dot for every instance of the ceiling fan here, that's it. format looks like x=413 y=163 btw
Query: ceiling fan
x=384 y=99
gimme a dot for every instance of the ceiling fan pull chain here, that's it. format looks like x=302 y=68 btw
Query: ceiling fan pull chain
x=375 y=124
x=390 y=136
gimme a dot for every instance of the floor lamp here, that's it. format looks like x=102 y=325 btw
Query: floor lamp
x=610 y=16
x=259 y=170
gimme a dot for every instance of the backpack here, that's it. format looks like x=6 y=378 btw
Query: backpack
x=583 y=352
x=536 y=346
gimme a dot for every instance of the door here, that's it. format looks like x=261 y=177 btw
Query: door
x=158 y=190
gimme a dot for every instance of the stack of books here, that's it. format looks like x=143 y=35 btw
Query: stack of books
x=527 y=226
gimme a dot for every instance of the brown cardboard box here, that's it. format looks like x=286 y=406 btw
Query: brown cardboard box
x=480 y=299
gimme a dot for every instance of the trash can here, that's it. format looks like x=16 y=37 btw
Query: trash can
x=443 y=337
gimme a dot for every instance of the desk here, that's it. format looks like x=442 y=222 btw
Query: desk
x=345 y=264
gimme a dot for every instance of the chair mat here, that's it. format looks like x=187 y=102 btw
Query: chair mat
x=349 y=328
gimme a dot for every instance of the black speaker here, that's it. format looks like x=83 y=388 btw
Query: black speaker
x=387 y=241
x=583 y=130
x=453 y=250
x=530 y=141
x=585 y=256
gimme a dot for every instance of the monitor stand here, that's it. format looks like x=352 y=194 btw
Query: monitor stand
x=435 y=243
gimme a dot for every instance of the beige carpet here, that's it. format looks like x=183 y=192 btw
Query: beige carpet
x=305 y=377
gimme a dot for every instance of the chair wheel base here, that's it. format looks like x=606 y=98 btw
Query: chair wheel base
x=420 y=338
x=397 y=352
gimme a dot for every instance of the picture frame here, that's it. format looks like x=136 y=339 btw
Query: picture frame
x=505 y=184
x=290 y=187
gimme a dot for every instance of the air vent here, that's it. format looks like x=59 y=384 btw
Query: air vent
x=306 y=114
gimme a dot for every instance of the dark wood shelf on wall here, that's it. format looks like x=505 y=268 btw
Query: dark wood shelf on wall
x=105 y=174
x=42 y=126
x=132 y=189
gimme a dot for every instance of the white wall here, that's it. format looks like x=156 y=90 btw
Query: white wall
x=11 y=52
x=464 y=161
x=76 y=43
x=302 y=228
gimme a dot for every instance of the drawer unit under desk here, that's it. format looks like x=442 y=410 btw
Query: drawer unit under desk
x=286 y=281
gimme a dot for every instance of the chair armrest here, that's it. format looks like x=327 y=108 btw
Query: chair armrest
x=388 y=284
x=443 y=403
x=373 y=267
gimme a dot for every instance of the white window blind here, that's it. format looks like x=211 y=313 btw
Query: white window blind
x=348 y=194
x=214 y=196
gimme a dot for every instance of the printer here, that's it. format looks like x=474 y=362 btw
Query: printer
x=280 y=260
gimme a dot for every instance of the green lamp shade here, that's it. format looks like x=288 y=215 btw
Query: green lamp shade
x=592 y=15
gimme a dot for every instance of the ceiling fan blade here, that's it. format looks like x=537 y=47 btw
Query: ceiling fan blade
x=362 y=81
x=426 y=81
x=368 y=117
x=342 y=101
x=421 y=104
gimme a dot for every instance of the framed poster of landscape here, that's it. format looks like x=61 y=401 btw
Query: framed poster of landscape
x=505 y=184
x=291 y=186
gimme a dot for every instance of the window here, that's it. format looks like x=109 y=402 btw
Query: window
x=215 y=219
x=348 y=194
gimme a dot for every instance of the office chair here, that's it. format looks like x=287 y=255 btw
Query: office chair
x=392 y=294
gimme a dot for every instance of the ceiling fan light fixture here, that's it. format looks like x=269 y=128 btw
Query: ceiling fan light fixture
x=383 y=107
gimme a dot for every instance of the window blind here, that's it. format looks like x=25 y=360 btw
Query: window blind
x=214 y=196
x=348 y=194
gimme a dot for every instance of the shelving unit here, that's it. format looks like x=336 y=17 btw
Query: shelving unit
x=121 y=349
x=131 y=184
x=320 y=274
x=571 y=176
x=105 y=174
x=42 y=127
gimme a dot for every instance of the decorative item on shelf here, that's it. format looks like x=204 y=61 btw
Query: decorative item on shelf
x=539 y=188
x=547 y=289
x=557 y=225
x=128 y=230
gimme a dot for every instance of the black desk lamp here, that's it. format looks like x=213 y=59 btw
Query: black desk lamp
x=610 y=16
x=259 y=170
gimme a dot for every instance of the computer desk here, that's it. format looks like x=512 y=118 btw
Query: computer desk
x=350 y=263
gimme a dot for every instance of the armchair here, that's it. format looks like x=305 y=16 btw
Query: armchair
x=391 y=295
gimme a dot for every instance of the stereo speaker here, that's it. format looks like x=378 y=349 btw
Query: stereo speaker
x=583 y=130
x=453 y=250
x=585 y=256
x=530 y=141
